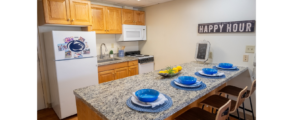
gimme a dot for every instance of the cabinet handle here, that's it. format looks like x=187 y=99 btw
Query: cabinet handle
x=68 y=19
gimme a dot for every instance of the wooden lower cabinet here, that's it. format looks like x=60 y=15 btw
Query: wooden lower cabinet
x=133 y=70
x=117 y=71
x=121 y=73
x=106 y=76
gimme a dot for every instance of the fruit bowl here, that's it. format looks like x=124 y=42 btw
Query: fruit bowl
x=168 y=75
x=170 y=71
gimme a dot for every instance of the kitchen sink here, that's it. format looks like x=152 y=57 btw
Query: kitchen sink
x=107 y=60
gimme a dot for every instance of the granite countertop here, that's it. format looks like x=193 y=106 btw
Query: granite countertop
x=123 y=59
x=109 y=99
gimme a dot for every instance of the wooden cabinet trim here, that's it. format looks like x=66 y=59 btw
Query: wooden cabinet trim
x=131 y=63
x=112 y=66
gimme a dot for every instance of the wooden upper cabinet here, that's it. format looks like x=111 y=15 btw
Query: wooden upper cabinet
x=121 y=73
x=80 y=12
x=68 y=12
x=133 y=17
x=98 y=19
x=56 y=11
x=106 y=76
x=128 y=17
x=133 y=70
x=114 y=20
x=139 y=17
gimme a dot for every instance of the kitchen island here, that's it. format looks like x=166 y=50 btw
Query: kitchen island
x=108 y=100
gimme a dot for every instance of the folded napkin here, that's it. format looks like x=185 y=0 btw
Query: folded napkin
x=197 y=83
x=217 y=74
x=160 y=100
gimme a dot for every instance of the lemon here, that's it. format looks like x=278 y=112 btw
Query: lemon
x=179 y=68
x=165 y=71
x=161 y=72
x=175 y=70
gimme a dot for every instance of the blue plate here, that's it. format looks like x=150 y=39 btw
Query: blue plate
x=147 y=95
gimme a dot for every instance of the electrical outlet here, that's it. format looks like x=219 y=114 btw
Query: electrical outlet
x=210 y=55
x=112 y=45
x=250 y=49
x=246 y=58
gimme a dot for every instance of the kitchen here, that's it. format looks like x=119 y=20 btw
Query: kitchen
x=177 y=21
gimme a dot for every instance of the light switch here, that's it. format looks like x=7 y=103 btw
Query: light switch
x=250 y=49
x=246 y=58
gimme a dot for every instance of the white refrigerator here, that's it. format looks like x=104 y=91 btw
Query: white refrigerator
x=72 y=63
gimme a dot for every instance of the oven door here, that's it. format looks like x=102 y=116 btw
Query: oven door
x=146 y=67
x=132 y=34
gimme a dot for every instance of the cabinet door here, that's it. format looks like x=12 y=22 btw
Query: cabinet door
x=133 y=70
x=121 y=73
x=98 y=19
x=114 y=20
x=56 y=11
x=128 y=17
x=139 y=17
x=106 y=76
x=80 y=12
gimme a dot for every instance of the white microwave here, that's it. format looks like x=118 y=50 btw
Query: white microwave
x=132 y=33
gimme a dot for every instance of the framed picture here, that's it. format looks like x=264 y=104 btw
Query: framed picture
x=67 y=54
x=86 y=51
x=61 y=47
x=78 y=55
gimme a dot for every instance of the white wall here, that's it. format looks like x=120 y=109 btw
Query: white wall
x=172 y=32
x=109 y=39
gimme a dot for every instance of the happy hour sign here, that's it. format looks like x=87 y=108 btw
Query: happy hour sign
x=220 y=27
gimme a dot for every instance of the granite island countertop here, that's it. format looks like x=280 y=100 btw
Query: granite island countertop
x=123 y=59
x=109 y=99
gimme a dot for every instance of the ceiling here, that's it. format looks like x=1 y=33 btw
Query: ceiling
x=131 y=3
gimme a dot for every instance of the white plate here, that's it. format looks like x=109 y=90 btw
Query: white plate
x=137 y=102
x=232 y=68
x=160 y=100
x=182 y=85
x=213 y=75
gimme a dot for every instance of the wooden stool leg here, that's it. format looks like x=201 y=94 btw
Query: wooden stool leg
x=252 y=108
x=244 y=111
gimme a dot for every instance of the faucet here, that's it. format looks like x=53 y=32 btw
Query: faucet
x=102 y=56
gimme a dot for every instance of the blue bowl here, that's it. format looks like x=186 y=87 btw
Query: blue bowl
x=187 y=80
x=147 y=95
x=209 y=71
x=226 y=65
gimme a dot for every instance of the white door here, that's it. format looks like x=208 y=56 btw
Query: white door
x=39 y=91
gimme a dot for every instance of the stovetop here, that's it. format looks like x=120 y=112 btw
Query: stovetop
x=137 y=54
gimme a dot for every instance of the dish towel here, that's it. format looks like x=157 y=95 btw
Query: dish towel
x=217 y=74
x=160 y=100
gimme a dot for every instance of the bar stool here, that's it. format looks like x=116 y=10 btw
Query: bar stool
x=234 y=91
x=197 y=113
x=216 y=101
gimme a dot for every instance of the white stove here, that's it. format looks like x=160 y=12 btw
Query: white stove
x=145 y=62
